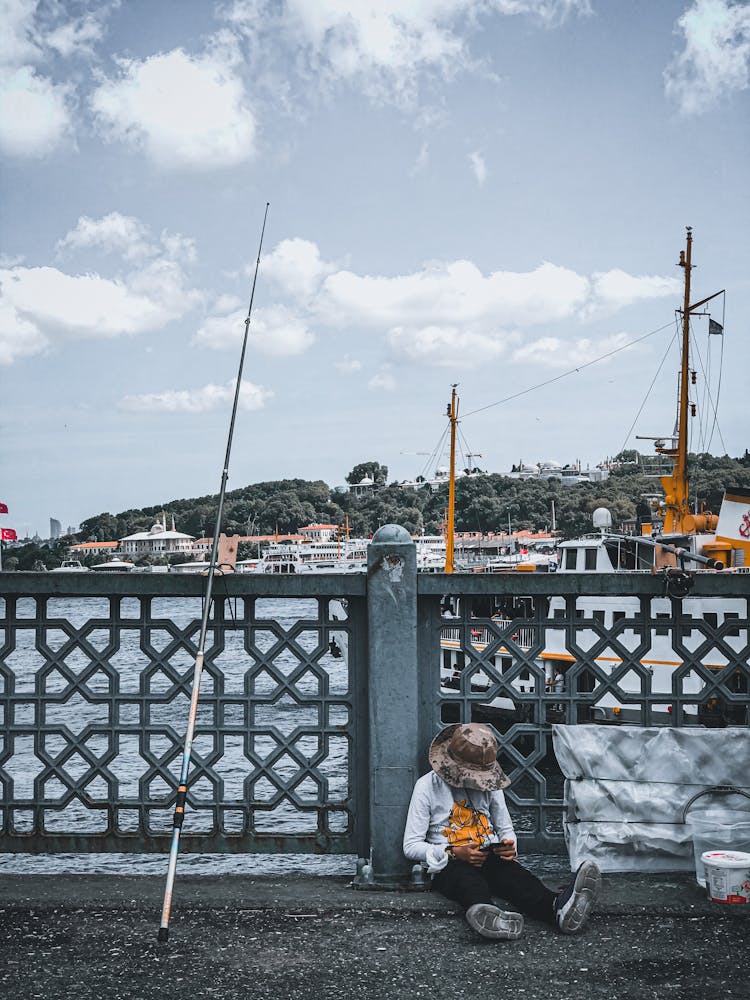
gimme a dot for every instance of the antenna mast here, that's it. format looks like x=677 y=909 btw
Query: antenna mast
x=449 y=528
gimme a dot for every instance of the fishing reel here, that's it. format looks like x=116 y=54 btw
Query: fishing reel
x=677 y=583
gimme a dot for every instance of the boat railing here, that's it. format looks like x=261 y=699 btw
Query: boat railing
x=480 y=635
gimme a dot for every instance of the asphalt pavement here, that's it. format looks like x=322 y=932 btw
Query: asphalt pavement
x=94 y=936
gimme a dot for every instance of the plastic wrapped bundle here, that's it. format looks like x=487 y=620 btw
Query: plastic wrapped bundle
x=627 y=789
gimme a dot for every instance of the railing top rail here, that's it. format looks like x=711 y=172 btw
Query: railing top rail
x=20 y=584
x=588 y=584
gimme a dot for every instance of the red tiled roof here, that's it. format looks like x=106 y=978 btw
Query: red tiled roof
x=93 y=546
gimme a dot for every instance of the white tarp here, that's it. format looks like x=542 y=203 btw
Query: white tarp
x=626 y=788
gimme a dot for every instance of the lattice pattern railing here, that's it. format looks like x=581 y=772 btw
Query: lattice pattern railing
x=95 y=694
x=95 y=678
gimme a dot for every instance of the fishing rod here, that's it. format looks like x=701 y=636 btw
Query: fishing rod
x=179 y=810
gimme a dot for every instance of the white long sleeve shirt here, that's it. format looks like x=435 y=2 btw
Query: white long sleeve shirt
x=440 y=817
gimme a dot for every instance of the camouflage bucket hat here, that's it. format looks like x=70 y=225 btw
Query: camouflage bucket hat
x=465 y=756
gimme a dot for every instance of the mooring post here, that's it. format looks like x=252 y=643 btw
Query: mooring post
x=393 y=699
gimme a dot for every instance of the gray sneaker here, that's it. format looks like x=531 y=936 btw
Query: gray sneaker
x=492 y=922
x=574 y=904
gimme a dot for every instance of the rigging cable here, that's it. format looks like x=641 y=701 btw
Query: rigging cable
x=715 y=425
x=438 y=451
x=653 y=382
x=463 y=443
x=691 y=340
x=714 y=406
x=181 y=800
x=434 y=456
x=571 y=371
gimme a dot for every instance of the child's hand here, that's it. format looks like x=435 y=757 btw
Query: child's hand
x=506 y=850
x=467 y=852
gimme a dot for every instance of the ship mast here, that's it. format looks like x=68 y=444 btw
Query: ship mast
x=677 y=516
x=450 y=520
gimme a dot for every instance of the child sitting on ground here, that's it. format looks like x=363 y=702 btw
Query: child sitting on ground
x=459 y=826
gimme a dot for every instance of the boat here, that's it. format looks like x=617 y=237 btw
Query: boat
x=673 y=540
x=343 y=555
x=70 y=566
x=114 y=566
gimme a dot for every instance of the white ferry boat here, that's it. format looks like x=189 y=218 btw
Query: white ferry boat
x=334 y=556
x=347 y=555
x=655 y=665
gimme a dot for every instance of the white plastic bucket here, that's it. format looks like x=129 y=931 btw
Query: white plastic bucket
x=727 y=876
x=722 y=832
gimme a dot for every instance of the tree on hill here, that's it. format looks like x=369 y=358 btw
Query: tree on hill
x=483 y=503
x=374 y=470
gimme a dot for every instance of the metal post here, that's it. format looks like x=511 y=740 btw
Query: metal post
x=393 y=700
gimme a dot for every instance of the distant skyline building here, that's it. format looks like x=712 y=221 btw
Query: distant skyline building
x=55 y=529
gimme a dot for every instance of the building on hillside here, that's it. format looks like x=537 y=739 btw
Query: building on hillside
x=568 y=475
x=93 y=548
x=158 y=541
x=363 y=488
x=441 y=478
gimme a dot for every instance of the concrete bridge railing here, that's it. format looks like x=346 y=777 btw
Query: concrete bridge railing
x=321 y=693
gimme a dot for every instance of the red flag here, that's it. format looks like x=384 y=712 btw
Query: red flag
x=3 y=508
x=8 y=535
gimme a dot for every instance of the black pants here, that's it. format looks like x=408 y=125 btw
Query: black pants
x=509 y=880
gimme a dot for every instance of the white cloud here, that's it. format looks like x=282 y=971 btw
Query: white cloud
x=478 y=167
x=348 y=365
x=382 y=380
x=296 y=266
x=447 y=313
x=34 y=113
x=50 y=305
x=226 y=304
x=612 y=290
x=88 y=305
x=276 y=331
x=76 y=37
x=16 y=43
x=553 y=352
x=10 y=259
x=448 y=346
x=19 y=337
x=183 y=111
x=129 y=238
x=113 y=233
x=716 y=58
x=201 y=400
x=384 y=48
x=453 y=293
x=179 y=247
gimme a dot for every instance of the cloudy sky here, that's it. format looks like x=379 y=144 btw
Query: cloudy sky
x=487 y=192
